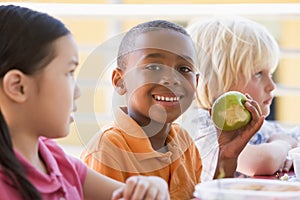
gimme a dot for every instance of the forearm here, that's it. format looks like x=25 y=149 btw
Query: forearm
x=98 y=186
x=263 y=159
x=227 y=164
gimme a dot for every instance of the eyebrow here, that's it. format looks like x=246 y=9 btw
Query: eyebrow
x=159 y=55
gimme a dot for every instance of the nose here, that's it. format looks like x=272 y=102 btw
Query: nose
x=170 y=77
x=77 y=92
x=271 y=85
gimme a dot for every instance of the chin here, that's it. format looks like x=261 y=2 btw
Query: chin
x=266 y=112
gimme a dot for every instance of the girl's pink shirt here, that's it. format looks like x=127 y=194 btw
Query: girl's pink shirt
x=64 y=180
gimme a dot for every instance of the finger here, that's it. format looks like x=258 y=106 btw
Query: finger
x=256 y=116
x=242 y=139
x=248 y=96
x=253 y=108
x=130 y=187
x=161 y=192
x=252 y=128
x=281 y=167
x=141 y=188
x=152 y=193
x=256 y=105
x=287 y=165
x=118 y=194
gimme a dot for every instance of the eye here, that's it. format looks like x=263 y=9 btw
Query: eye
x=185 y=69
x=154 y=67
x=71 y=72
x=258 y=74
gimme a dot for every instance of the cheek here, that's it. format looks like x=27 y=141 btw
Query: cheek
x=139 y=83
x=190 y=84
x=135 y=94
x=253 y=90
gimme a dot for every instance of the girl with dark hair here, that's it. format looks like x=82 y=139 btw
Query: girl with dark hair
x=38 y=57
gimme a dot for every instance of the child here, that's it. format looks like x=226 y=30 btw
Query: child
x=156 y=70
x=237 y=54
x=38 y=56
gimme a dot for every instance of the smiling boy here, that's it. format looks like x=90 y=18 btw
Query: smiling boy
x=156 y=71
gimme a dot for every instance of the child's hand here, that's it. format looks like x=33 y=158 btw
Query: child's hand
x=143 y=187
x=287 y=143
x=231 y=143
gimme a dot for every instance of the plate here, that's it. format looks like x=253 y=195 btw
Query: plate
x=247 y=189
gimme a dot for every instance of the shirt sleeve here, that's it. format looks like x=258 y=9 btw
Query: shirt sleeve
x=80 y=167
x=102 y=156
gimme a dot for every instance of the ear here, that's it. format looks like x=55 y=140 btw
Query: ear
x=197 y=79
x=118 y=81
x=14 y=85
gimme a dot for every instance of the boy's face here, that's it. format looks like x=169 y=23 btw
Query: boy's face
x=159 y=77
x=260 y=88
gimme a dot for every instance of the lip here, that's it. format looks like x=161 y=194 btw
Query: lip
x=71 y=118
x=268 y=101
x=74 y=108
x=72 y=113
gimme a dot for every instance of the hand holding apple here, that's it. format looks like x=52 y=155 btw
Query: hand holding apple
x=232 y=142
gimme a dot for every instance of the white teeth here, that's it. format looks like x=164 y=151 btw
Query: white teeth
x=169 y=99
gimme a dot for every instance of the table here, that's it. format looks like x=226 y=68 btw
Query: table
x=276 y=176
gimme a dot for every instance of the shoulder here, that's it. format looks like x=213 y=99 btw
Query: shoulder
x=107 y=138
x=108 y=135
x=72 y=170
x=178 y=129
x=64 y=161
x=7 y=189
x=181 y=136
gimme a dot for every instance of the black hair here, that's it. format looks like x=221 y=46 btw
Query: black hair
x=127 y=44
x=26 y=38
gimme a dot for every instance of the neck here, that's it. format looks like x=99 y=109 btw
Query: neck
x=157 y=134
x=28 y=148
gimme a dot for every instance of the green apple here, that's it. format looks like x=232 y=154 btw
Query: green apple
x=229 y=112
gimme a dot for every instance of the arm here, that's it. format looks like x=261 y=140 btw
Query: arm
x=232 y=143
x=270 y=155
x=263 y=159
x=98 y=186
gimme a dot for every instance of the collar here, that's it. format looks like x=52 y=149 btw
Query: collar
x=139 y=142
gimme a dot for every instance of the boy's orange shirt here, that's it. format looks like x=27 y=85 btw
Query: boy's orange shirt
x=124 y=150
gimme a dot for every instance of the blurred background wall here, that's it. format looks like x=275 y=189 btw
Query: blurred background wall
x=98 y=27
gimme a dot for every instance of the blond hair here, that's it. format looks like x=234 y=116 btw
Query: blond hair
x=230 y=50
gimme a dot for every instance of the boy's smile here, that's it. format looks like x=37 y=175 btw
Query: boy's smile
x=168 y=98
